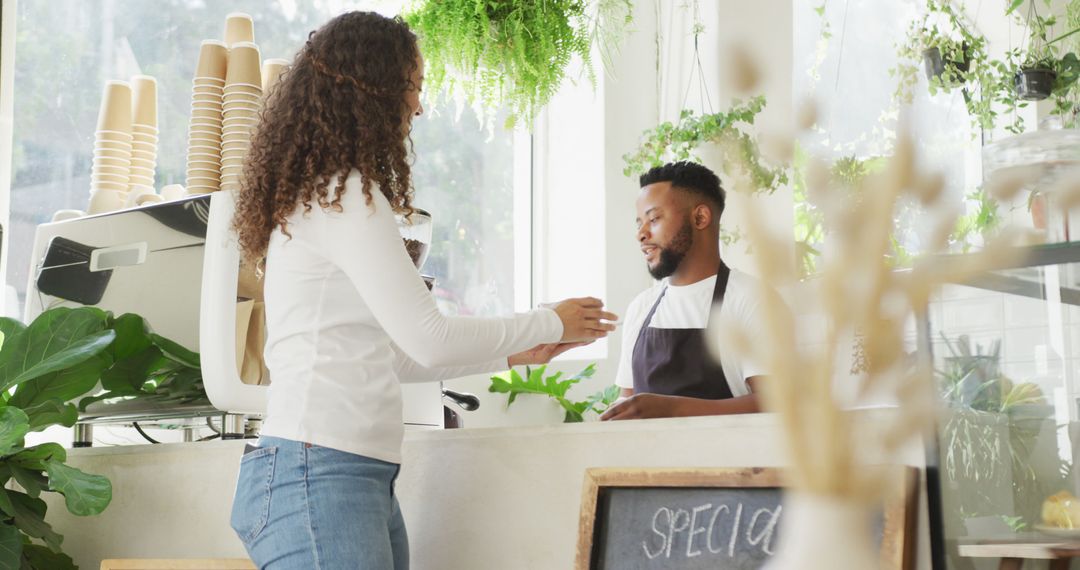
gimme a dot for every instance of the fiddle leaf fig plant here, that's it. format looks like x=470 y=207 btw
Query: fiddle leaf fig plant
x=553 y=386
x=669 y=142
x=47 y=370
x=57 y=358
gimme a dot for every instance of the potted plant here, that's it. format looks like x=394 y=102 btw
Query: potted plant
x=1041 y=71
x=952 y=56
x=513 y=54
x=738 y=150
x=535 y=381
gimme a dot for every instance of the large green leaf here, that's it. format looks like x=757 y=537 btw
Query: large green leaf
x=54 y=333
x=30 y=518
x=31 y=480
x=61 y=385
x=36 y=457
x=176 y=352
x=6 y=506
x=132 y=336
x=78 y=352
x=37 y=557
x=9 y=328
x=84 y=494
x=51 y=412
x=14 y=425
x=132 y=371
x=11 y=547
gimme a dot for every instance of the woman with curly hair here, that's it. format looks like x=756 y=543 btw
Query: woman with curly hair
x=348 y=315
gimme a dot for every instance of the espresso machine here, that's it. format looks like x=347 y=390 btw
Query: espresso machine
x=178 y=265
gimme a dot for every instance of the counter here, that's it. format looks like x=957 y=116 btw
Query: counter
x=473 y=499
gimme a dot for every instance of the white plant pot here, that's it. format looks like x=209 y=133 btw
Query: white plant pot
x=533 y=409
x=825 y=533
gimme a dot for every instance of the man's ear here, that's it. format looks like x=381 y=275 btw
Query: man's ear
x=702 y=216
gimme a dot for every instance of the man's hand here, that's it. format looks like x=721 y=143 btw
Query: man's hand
x=643 y=406
x=543 y=353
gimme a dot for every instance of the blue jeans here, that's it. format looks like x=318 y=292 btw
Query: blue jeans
x=300 y=506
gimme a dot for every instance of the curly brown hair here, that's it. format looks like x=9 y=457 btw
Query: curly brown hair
x=340 y=106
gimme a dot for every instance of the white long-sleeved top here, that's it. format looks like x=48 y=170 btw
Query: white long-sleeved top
x=348 y=317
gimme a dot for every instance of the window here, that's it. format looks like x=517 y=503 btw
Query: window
x=66 y=49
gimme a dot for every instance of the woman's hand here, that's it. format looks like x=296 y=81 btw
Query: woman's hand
x=582 y=319
x=542 y=354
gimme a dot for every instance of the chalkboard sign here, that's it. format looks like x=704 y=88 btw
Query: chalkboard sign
x=656 y=519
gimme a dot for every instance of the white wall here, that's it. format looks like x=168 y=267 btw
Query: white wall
x=632 y=104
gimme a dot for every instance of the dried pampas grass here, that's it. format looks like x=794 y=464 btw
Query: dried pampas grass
x=859 y=294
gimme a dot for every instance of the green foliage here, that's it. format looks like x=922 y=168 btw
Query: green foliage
x=988 y=83
x=966 y=64
x=739 y=151
x=512 y=53
x=981 y=222
x=845 y=175
x=988 y=441
x=44 y=367
x=534 y=382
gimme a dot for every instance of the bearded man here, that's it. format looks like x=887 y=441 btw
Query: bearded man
x=665 y=368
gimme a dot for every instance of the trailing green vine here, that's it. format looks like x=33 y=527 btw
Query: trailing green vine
x=739 y=151
x=512 y=54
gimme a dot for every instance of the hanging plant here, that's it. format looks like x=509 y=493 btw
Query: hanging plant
x=951 y=56
x=739 y=151
x=1042 y=71
x=512 y=54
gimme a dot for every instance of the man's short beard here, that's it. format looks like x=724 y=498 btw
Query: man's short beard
x=671 y=256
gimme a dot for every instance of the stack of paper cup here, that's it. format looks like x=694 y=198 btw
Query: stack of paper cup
x=204 y=133
x=271 y=73
x=109 y=177
x=144 y=134
x=239 y=27
x=243 y=94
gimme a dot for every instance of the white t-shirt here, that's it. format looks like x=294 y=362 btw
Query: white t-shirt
x=348 y=317
x=690 y=307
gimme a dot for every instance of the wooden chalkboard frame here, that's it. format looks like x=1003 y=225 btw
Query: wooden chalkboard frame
x=901 y=514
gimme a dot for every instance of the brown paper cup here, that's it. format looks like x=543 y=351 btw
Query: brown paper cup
x=239 y=28
x=245 y=65
x=213 y=61
x=271 y=72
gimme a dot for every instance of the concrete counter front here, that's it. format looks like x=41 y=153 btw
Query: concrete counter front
x=474 y=499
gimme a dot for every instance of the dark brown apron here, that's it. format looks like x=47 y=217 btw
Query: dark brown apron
x=676 y=362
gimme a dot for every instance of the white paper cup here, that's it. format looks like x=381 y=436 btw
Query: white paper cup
x=119 y=170
x=172 y=192
x=113 y=145
x=61 y=215
x=117 y=136
x=120 y=163
x=102 y=201
x=133 y=195
x=146 y=199
x=115 y=110
x=106 y=152
x=144 y=101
